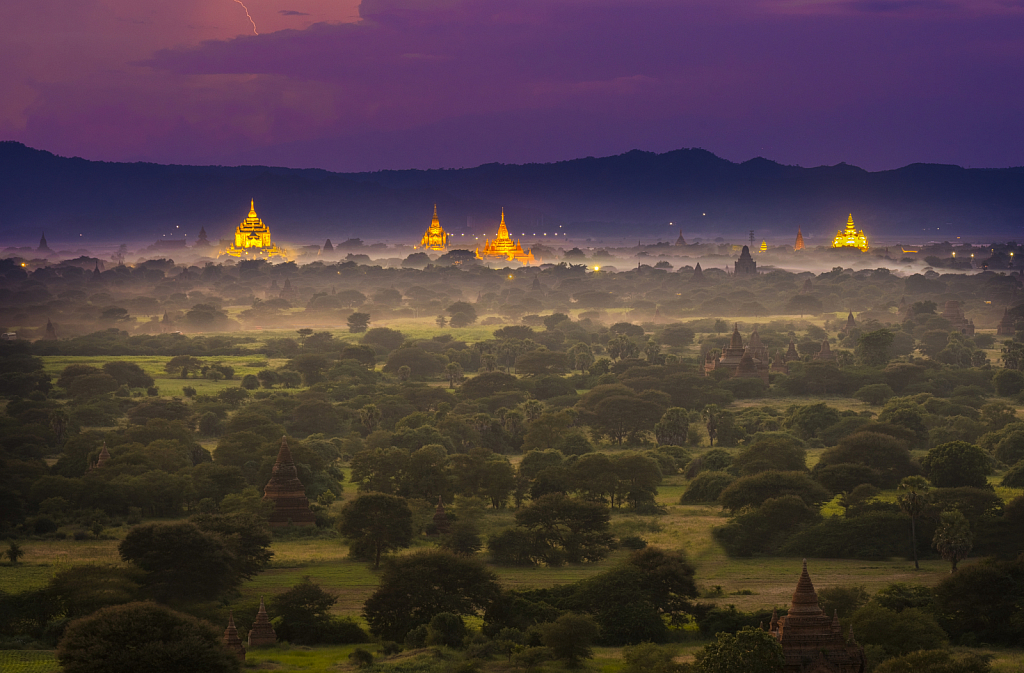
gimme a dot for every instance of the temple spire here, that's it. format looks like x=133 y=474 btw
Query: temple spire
x=231 y=639
x=805 y=599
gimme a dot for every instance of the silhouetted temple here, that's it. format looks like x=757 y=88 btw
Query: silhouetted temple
x=231 y=639
x=680 y=240
x=698 y=274
x=288 y=494
x=955 y=315
x=51 y=331
x=203 y=240
x=850 y=323
x=792 y=354
x=745 y=265
x=102 y=459
x=742 y=362
x=262 y=633
x=826 y=352
x=44 y=249
x=812 y=642
x=1006 y=325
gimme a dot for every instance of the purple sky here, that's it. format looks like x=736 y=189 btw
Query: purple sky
x=447 y=83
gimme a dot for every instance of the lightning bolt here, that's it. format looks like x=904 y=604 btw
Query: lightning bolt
x=248 y=15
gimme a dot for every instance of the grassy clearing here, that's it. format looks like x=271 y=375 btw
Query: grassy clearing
x=29 y=661
x=171 y=385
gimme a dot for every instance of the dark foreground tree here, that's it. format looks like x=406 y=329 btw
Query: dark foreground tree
x=143 y=636
x=181 y=560
x=570 y=530
x=571 y=638
x=376 y=523
x=415 y=587
x=750 y=650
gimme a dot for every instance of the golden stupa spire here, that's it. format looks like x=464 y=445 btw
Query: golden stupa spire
x=252 y=208
x=502 y=229
x=850 y=237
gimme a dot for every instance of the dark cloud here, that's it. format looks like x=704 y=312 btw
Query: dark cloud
x=291 y=12
x=461 y=82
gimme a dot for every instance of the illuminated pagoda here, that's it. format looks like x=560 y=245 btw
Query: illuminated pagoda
x=252 y=238
x=764 y=246
x=503 y=247
x=850 y=237
x=436 y=238
x=799 y=245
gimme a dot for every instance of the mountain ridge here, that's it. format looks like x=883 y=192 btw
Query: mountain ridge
x=633 y=193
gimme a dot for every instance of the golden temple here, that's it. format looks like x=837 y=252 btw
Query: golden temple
x=436 y=238
x=504 y=247
x=850 y=237
x=252 y=238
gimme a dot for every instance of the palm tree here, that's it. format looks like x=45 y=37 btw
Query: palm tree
x=913 y=503
x=711 y=417
x=453 y=372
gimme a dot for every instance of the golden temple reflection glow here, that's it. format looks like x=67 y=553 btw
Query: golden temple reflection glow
x=850 y=237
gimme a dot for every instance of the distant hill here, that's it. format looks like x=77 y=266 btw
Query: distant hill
x=632 y=194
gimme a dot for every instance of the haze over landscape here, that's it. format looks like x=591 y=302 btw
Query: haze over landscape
x=455 y=336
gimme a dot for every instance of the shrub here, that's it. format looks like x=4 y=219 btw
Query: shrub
x=709 y=461
x=845 y=600
x=875 y=394
x=389 y=647
x=937 y=661
x=446 y=629
x=870 y=535
x=765 y=529
x=897 y=633
x=957 y=464
x=899 y=596
x=107 y=641
x=1008 y=382
x=755 y=489
x=1015 y=477
x=706 y=487
x=844 y=477
x=361 y=658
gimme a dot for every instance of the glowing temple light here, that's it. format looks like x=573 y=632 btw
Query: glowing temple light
x=850 y=237
x=436 y=238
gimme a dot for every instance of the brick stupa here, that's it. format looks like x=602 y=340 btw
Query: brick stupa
x=262 y=633
x=231 y=639
x=812 y=642
x=102 y=459
x=1007 y=324
x=288 y=494
x=441 y=518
